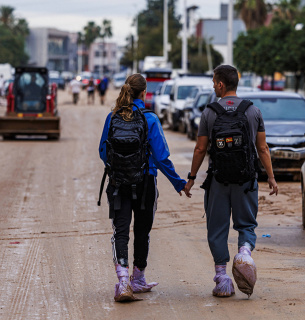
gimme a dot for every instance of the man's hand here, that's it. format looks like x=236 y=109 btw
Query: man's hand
x=188 y=188
x=273 y=186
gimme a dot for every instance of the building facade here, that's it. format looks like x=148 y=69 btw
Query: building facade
x=215 y=31
x=104 y=57
x=52 y=48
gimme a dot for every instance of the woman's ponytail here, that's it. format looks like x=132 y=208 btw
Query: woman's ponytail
x=132 y=88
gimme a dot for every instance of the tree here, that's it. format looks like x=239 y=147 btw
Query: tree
x=13 y=34
x=257 y=51
x=150 y=39
x=287 y=10
x=91 y=32
x=252 y=12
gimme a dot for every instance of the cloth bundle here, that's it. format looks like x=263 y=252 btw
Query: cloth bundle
x=244 y=271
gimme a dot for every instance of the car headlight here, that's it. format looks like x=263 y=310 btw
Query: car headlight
x=197 y=121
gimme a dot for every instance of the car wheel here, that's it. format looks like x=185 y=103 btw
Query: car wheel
x=8 y=137
x=303 y=202
x=54 y=136
x=181 y=127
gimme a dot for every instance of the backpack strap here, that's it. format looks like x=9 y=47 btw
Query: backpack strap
x=102 y=187
x=217 y=108
x=244 y=105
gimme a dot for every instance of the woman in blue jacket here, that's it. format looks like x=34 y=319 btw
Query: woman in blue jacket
x=133 y=92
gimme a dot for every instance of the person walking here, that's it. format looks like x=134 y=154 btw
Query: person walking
x=141 y=195
x=230 y=130
x=102 y=87
x=75 y=87
x=90 y=91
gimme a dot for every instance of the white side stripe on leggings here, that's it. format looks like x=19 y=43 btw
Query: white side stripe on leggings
x=115 y=259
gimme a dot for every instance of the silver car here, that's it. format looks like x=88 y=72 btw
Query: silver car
x=303 y=193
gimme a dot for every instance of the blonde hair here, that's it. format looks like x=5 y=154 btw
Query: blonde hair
x=131 y=90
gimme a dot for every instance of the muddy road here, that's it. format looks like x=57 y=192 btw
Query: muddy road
x=55 y=250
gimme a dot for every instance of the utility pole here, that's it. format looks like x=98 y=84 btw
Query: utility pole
x=135 y=48
x=230 y=31
x=165 y=31
x=184 y=41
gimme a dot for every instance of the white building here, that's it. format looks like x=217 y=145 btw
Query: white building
x=215 y=31
x=104 y=57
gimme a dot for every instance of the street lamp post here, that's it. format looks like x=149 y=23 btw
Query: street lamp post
x=165 y=31
x=184 y=40
x=230 y=30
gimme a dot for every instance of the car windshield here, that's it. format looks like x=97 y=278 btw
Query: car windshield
x=168 y=89
x=202 y=100
x=193 y=93
x=152 y=86
x=120 y=79
x=184 y=91
x=30 y=91
x=281 y=108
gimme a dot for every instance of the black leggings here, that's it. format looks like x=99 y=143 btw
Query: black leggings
x=143 y=221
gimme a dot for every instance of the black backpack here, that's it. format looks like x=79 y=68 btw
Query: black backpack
x=233 y=154
x=127 y=153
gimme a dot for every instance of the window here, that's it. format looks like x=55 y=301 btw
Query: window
x=96 y=54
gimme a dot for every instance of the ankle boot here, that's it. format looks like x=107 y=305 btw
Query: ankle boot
x=224 y=285
x=244 y=270
x=123 y=290
x=138 y=282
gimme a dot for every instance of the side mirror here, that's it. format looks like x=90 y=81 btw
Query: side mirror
x=157 y=92
x=171 y=96
x=201 y=108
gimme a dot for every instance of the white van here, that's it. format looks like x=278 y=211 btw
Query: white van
x=180 y=90
x=162 y=100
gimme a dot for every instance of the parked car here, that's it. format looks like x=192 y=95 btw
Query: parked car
x=67 y=75
x=4 y=90
x=154 y=77
x=277 y=85
x=180 y=91
x=60 y=82
x=284 y=117
x=192 y=113
x=154 y=95
x=303 y=193
x=119 y=80
x=162 y=100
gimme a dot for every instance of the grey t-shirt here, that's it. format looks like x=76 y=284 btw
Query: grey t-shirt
x=230 y=103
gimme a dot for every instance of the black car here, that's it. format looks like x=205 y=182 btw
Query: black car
x=192 y=114
x=59 y=81
x=284 y=118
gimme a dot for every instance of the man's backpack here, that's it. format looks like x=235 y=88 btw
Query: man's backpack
x=233 y=154
x=127 y=153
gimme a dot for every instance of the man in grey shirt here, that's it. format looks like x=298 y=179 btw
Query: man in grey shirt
x=221 y=198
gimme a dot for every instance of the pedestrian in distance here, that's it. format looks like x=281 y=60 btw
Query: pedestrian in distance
x=230 y=129
x=75 y=87
x=90 y=91
x=102 y=87
x=132 y=148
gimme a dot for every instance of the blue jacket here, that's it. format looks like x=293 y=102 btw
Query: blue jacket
x=158 y=148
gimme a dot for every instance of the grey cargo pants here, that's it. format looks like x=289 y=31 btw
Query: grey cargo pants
x=244 y=206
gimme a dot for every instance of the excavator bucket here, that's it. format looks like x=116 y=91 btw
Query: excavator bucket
x=13 y=126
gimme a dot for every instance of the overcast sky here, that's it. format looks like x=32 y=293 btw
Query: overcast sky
x=72 y=15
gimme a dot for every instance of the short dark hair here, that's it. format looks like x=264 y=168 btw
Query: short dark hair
x=228 y=75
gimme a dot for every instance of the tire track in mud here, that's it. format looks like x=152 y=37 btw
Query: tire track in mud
x=23 y=285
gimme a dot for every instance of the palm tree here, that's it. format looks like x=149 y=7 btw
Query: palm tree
x=6 y=16
x=287 y=10
x=106 y=32
x=91 y=32
x=252 y=12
